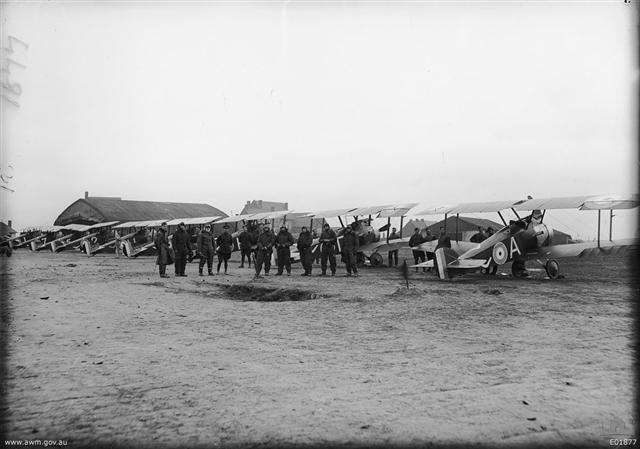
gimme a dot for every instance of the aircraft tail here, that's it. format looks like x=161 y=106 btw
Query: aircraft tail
x=449 y=263
x=445 y=257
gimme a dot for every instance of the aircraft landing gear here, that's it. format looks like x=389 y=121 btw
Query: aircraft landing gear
x=518 y=269
x=376 y=259
x=552 y=268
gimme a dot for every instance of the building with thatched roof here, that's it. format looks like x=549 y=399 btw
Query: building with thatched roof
x=98 y=209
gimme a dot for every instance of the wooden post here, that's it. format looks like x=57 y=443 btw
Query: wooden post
x=401 y=220
x=598 y=228
x=445 y=223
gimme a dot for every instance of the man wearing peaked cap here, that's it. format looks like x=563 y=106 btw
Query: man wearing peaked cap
x=181 y=242
x=162 y=245
x=284 y=240
x=246 y=241
x=205 y=247
x=225 y=247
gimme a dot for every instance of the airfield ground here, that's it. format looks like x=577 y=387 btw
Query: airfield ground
x=101 y=350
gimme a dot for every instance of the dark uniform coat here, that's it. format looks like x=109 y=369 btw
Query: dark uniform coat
x=225 y=244
x=162 y=245
x=246 y=240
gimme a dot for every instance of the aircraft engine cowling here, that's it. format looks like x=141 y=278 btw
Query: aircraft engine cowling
x=544 y=234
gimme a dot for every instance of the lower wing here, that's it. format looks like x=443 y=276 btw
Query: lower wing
x=582 y=249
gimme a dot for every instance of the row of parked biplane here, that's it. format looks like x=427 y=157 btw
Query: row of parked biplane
x=519 y=240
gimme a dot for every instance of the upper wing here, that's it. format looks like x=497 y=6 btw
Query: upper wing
x=585 y=202
x=464 y=208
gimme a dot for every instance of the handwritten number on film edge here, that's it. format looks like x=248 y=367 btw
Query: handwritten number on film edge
x=12 y=89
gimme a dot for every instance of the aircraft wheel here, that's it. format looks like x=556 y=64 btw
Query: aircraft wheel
x=518 y=269
x=376 y=259
x=552 y=268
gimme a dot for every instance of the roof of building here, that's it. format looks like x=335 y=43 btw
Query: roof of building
x=5 y=229
x=256 y=206
x=100 y=209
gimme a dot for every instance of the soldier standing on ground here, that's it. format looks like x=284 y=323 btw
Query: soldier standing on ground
x=264 y=250
x=225 y=247
x=162 y=245
x=246 y=241
x=328 y=240
x=415 y=240
x=393 y=254
x=181 y=242
x=350 y=248
x=305 y=240
x=284 y=240
x=206 y=249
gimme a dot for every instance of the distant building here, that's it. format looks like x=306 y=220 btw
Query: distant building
x=6 y=229
x=99 y=209
x=410 y=226
x=560 y=238
x=467 y=226
x=257 y=206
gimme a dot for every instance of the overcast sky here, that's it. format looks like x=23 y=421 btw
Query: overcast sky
x=321 y=105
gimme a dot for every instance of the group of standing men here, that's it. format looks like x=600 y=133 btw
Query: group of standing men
x=258 y=244
x=181 y=249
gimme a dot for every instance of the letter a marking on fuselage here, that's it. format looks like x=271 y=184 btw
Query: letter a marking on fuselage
x=514 y=247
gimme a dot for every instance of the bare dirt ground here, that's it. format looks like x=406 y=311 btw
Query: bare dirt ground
x=101 y=350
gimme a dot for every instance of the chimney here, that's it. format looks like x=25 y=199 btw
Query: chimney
x=260 y=204
x=286 y=206
x=9 y=223
x=86 y=194
x=248 y=202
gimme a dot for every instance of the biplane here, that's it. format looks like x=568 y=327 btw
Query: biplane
x=136 y=237
x=372 y=244
x=59 y=238
x=51 y=236
x=524 y=239
x=104 y=237
x=23 y=239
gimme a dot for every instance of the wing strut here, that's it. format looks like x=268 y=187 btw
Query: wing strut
x=610 y=223
x=502 y=218
x=388 y=227
x=457 y=219
x=401 y=220
x=514 y=211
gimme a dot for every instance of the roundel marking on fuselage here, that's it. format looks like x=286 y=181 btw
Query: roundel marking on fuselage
x=500 y=253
